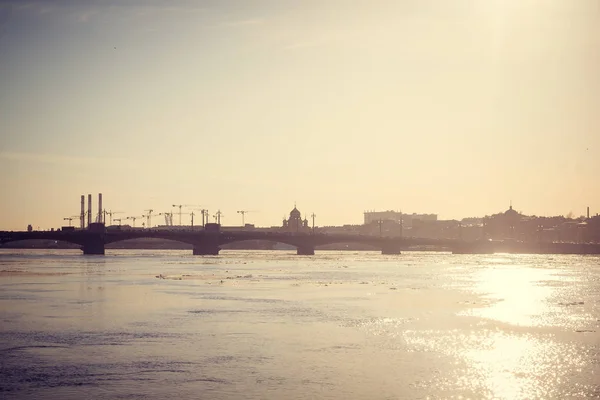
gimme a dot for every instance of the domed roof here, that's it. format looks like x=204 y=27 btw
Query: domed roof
x=510 y=211
x=295 y=213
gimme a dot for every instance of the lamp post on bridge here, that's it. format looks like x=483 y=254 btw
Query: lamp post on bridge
x=205 y=216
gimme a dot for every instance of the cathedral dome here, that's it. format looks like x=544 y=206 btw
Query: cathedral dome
x=510 y=212
x=295 y=213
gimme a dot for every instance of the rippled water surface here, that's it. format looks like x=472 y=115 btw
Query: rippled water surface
x=273 y=325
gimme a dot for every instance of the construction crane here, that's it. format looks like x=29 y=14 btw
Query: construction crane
x=195 y=211
x=183 y=205
x=133 y=218
x=168 y=218
x=191 y=214
x=244 y=212
x=71 y=218
x=110 y=214
x=99 y=218
x=178 y=205
x=149 y=217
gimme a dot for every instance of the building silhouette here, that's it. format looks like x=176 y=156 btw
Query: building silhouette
x=295 y=223
x=397 y=216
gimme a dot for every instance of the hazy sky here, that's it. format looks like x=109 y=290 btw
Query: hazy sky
x=438 y=106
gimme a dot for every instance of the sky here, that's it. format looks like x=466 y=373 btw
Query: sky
x=428 y=106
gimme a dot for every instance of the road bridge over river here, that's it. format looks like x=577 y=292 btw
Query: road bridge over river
x=210 y=242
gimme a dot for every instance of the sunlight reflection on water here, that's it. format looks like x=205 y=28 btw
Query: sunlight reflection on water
x=530 y=296
x=273 y=325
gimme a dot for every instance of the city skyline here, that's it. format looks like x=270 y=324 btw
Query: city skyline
x=158 y=216
x=415 y=105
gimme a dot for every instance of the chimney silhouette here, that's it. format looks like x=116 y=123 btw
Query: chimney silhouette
x=82 y=214
x=89 y=210
x=100 y=207
x=588 y=213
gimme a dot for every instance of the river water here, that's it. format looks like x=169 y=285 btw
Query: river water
x=272 y=325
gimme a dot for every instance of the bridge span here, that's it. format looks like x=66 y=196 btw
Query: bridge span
x=210 y=242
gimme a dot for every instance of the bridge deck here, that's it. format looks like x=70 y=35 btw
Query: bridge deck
x=209 y=242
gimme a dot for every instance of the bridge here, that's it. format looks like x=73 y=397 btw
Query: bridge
x=93 y=241
x=209 y=243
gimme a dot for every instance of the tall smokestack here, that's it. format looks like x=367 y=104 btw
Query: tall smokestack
x=588 y=213
x=100 y=207
x=89 y=209
x=82 y=215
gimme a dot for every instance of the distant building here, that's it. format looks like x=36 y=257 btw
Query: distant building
x=295 y=223
x=471 y=221
x=396 y=216
x=343 y=229
x=505 y=225
x=176 y=227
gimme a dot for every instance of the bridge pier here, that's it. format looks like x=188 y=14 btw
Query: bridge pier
x=93 y=247
x=206 y=249
x=391 y=249
x=305 y=251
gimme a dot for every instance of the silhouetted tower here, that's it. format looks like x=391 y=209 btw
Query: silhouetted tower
x=89 y=212
x=82 y=213
x=100 y=208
